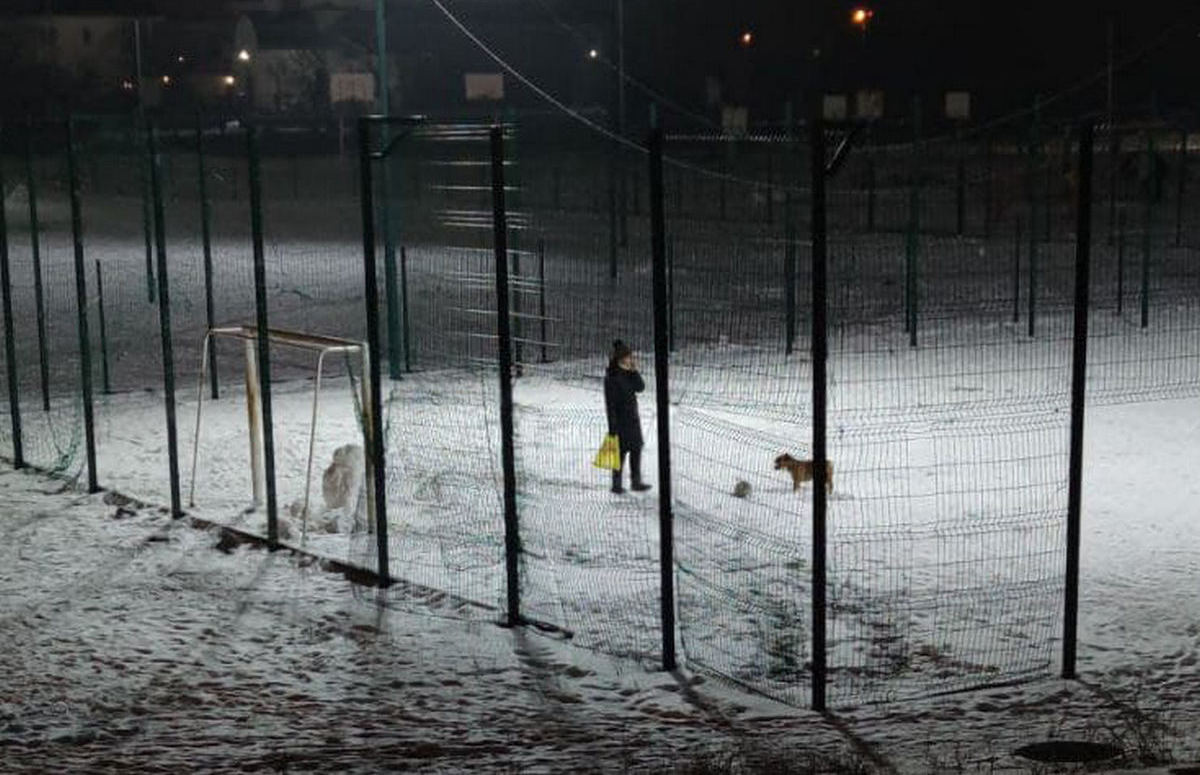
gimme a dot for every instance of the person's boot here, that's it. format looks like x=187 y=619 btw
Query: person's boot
x=635 y=472
x=616 y=482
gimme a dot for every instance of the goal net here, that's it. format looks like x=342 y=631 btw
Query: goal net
x=345 y=479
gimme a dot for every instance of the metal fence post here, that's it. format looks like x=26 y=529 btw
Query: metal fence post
x=376 y=467
x=206 y=241
x=789 y=279
x=541 y=254
x=666 y=541
x=1078 y=397
x=1031 y=190
x=104 y=376
x=612 y=216
x=264 y=342
x=10 y=344
x=670 y=294
x=164 y=320
x=1180 y=185
x=35 y=248
x=85 y=347
x=770 y=185
x=1016 y=275
x=394 y=337
x=987 y=189
x=147 y=216
x=1121 y=263
x=1114 y=164
x=404 y=316
x=914 y=225
x=512 y=538
x=820 y=339
x=870 y=192
x=960 y=190
x=1148 y=226
x=1033 y=274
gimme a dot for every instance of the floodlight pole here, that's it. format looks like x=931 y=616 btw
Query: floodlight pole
x=621 y=68
x=385 y=203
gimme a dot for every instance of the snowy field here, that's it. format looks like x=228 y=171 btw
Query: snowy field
x=130 y=643
x=947 y=533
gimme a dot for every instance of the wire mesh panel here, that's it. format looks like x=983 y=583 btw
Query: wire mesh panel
x=949 y=377
x=42 y=261
x=581 y=281
x=1145 y=321
x=123 y=296
x=443 y=440
x=740 y=390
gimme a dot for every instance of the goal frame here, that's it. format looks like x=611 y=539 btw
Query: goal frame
x=320 y=344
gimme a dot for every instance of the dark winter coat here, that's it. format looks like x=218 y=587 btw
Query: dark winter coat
x=620 y=399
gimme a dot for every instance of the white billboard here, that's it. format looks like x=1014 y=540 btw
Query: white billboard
x=484 y=86
x=834 y=107
x=958 y=105
x=868 y=104
x=351 y=87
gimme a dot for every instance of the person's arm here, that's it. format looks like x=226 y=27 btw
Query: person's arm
x=610 y=403
x=636 y=382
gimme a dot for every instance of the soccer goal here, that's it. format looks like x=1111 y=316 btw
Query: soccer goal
x=317 y=344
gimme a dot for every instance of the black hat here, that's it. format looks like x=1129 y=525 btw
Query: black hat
x=620 y=350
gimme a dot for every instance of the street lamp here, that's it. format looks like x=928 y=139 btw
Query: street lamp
x=229 y=80
x=746 y=38
x=593 y=53
x=243 y=56
x=861 y=16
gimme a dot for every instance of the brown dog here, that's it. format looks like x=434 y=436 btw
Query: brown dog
x=802 y=471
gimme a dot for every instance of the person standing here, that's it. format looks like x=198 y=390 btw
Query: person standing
x=622 y=383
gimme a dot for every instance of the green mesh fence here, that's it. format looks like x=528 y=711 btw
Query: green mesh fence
x=41 y=257
x=590 y=561
x=951 y=267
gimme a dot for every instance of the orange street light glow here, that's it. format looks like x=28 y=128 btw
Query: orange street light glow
x=747 y=38
x=861 y=16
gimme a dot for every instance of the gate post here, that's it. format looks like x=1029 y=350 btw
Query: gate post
x=512 y=538
x=820 y=338
x=662 y=388
x=1078 y=395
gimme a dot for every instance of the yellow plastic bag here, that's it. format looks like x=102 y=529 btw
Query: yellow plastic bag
x=609 y=456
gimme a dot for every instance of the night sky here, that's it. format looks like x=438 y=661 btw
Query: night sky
x=1005 y=53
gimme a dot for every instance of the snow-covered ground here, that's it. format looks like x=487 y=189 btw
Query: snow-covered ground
x=130 y=636
x=131 y=640
x=131 y=643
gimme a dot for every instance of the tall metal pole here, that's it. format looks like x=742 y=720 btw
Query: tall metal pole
x=263 y=328
x=35 y=247
x=147 y=234
x=85 y=342
x=662 y=389
x=1078 y=395
x=206 y=241
x=820 y=353
x=512 y=536
x=164 y=318
x=395 y=344
x=621 y=67
x=10 y=347
x=1109 y=91
x=376 y=470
